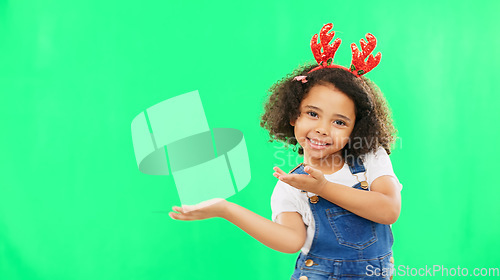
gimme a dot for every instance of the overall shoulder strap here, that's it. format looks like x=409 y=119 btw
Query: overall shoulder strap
x=356 y=165
x=299 y=169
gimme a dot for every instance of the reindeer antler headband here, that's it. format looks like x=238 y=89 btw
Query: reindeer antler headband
x=358 y=67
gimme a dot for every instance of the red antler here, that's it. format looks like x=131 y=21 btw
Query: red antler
x=358 y=65
x=325 y=58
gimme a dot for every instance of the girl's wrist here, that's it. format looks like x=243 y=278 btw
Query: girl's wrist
x=321 y=187
x=224 y=209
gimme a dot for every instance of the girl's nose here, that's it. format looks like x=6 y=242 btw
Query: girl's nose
x=321 y=130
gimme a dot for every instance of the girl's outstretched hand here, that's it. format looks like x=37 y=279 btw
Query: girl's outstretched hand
x=204 y=210
x=314 y=182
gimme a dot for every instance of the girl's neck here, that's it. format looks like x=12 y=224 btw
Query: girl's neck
x=328 y=166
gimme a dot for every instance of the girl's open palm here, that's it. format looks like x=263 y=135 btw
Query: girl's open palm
x=313 y=182
x=204 y=210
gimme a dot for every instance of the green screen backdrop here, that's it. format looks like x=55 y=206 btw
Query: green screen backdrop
x=73 y=75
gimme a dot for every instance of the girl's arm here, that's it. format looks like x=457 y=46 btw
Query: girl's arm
x=382 y=204
x=287 y=235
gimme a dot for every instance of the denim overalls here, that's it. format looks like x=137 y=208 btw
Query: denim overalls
x=345 y=245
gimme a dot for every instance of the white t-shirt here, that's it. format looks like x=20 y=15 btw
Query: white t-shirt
x=286 y=198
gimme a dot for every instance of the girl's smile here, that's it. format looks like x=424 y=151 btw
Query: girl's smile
x=317 y=144
x=326 y=120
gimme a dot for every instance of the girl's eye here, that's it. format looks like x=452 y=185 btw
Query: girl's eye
x=339 y=122
x=312 y=114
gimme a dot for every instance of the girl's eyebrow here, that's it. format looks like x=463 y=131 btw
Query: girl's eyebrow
x=313 y=107
x=318 y=109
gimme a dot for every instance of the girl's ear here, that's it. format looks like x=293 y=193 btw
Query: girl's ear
x=292 y=123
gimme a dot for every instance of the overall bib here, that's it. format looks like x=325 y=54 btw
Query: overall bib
x=345 y=245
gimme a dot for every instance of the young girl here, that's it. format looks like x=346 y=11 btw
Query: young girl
x=337 y=206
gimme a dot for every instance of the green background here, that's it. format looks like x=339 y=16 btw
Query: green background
x=73 y=75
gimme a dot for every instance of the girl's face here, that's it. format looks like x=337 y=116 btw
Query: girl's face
x=325 y=122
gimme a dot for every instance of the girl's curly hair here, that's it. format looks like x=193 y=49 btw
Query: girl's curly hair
x=373 y=126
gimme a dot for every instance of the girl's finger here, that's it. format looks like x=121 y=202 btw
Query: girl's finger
x=180 y=216
x=294 y=180
x=177 y=209
x=282 y=177
x=279 y=171
x=315 y=173
x=173 y=215
x=189 y=208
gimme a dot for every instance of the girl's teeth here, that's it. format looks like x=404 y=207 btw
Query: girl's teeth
x=316 y=143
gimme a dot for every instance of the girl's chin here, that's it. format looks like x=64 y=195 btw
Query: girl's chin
x=314 y=154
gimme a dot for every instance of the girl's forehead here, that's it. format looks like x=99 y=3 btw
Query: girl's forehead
x=326 y=93
x=328 y=98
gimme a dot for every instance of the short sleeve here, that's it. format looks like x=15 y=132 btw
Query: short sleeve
x=379 y=164
x=282 y=200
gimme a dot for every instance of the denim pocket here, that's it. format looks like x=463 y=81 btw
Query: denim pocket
x=350 y=229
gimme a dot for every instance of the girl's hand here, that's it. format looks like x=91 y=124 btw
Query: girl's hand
x=315 y=182
x=204 y=210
